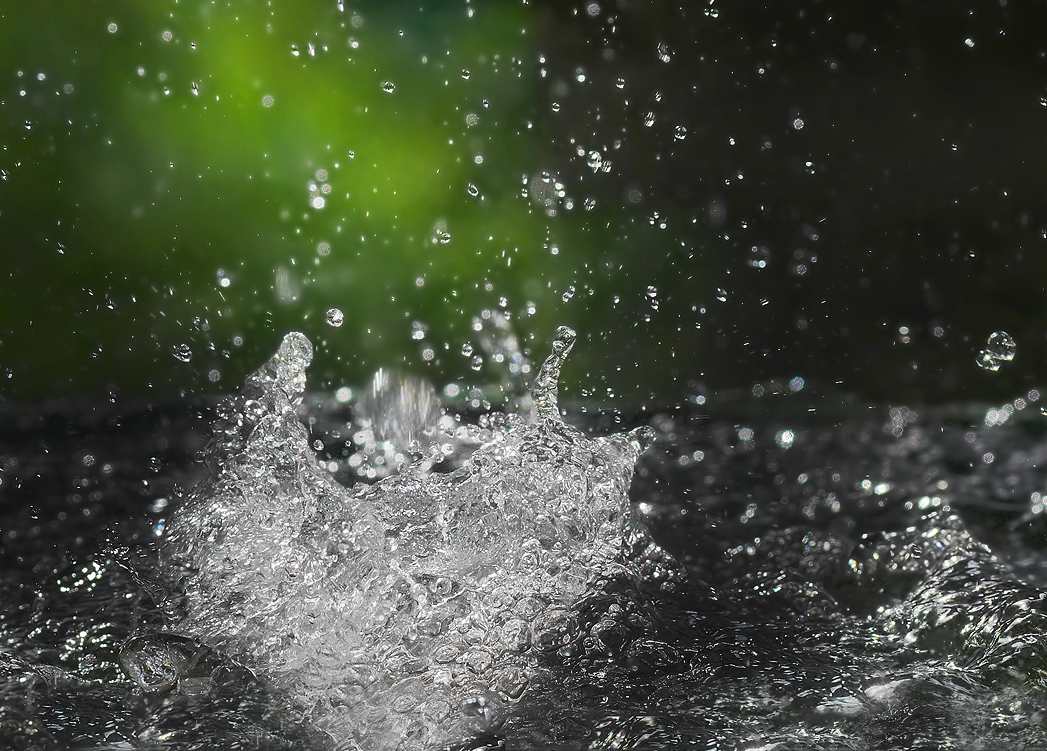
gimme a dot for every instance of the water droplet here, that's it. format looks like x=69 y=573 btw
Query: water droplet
x=465 y=74
x=652 y=296
x=267 y=101
x=388 y=87
x=999 y=348
x=664 y=53
x=472 y=119
x=721 y=294
x=112 y=28
x=472 y=190
x=569 y=293
x=759 y=257
x=321 y=174
x=467 y=349
x=798 y=124
x=595 y=161
x=590 y=204
x=680 y=133
x=323 y=248
x=182 y=352
x=335 y=317
x=477 y=362
x=620 y=83
x=649 y=119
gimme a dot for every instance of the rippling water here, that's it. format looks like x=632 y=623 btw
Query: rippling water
x=827 y=574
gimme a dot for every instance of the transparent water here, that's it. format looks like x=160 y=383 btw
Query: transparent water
x=820 y=573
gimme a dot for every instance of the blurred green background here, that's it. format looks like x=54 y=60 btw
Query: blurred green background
x=713 y=195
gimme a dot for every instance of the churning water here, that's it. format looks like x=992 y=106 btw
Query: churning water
x=818 y=574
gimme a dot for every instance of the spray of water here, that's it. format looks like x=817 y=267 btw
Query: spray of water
x=410 y=612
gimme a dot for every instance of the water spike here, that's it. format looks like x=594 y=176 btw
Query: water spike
x=286 y=369
x=546 y=385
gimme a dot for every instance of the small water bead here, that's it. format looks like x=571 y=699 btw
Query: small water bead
x=112 y=28
x=680 y=133
x=267 y=101
x=569 y=293
x=182 y=352
x=595 y=161
x=335 y=317
x=388 y=87
x=472 y=119
x=664 y=53
x=999 y=348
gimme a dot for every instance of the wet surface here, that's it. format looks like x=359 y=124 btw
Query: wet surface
x=857 y=576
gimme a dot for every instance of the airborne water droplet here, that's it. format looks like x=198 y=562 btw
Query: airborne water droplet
x=999 y=348
x=388 y=87
x=335 y=317
x=182 y=352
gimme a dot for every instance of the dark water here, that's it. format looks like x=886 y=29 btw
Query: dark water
x=853 y=576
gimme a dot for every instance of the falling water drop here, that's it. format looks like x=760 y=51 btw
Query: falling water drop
x=335 y=317
x=999 y=348
x=182 y=352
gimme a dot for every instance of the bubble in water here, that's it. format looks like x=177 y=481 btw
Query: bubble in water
x=388 y=87
x=182 y=352
x=335 y=317
x=156 y=662
x=999 y=348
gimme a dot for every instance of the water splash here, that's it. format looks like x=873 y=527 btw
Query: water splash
x=414 y=611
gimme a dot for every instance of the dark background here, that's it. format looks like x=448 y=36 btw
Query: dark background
x=855 y=196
